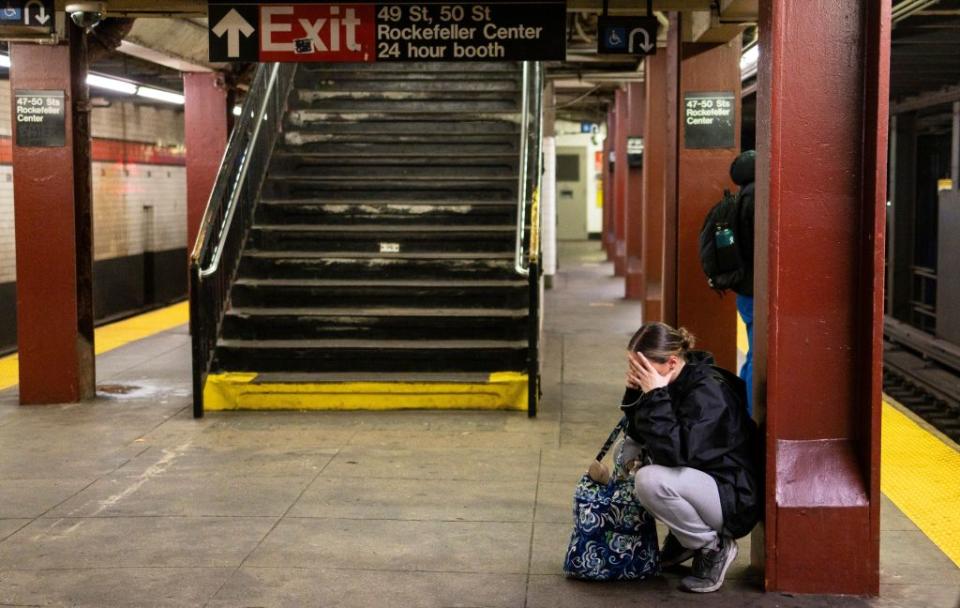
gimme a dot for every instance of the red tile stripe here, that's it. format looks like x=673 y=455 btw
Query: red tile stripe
x=116 y=151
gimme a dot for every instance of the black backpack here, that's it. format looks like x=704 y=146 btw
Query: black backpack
x=720 y=254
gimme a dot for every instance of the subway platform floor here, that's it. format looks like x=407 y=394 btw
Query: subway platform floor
x=128 y=501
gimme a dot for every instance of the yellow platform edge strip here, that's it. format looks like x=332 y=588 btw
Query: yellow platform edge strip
x=113 y=336
x=921 y=475
x=235 y=391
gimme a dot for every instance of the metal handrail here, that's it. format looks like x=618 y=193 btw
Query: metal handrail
x=237 y=183
x=519 y=261
x=215 y=258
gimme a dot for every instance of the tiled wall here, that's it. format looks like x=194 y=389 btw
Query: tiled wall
x=139 y=194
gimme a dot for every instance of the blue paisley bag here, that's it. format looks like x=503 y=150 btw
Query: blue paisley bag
x=614 y=538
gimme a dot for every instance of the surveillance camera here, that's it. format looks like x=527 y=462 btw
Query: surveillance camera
x=86 y=14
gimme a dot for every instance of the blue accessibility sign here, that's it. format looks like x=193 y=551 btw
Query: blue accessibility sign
x=627 y=35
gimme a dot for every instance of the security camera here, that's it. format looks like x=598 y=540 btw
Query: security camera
x=86 y=14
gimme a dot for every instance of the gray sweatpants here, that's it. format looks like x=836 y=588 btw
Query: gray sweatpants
x=685 y=499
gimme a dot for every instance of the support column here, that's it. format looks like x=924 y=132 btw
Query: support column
x=620 y=185
x=821 y=194
x=702 y=175
x=609 y=232
x=53 y=228
x=654 y=167
x=634 y=220
x=901 y=225
x=548 y=189
x=205 y=119
x=670 y=155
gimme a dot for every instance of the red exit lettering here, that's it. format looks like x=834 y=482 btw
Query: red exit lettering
x=318 y=32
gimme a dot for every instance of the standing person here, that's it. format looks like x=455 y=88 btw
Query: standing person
x=691 y=419
x=743 y=173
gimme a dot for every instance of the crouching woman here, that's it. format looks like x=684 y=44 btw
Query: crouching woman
x=703 y=483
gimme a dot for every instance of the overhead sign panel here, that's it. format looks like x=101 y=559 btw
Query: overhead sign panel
x=627 y=35
x=21 y=19
x=500 y=30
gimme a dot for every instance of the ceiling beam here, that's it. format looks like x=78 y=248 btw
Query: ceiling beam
x=194 y=8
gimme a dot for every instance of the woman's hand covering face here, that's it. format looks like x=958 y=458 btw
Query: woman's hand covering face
x=641 y=373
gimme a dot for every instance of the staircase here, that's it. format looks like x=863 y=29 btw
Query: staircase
x=378 y=265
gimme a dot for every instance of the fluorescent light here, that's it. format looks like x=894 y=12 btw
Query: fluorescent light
x=750 y=57
x=111 y=84
x=4 y=61
x=161 y=95
x=237 y=110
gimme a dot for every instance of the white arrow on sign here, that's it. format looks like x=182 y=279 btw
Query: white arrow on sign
x=233 y=24
x=42 y=15
x=646 y=46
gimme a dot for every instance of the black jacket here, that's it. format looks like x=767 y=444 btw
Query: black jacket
x=742 y=173
x=700 y=420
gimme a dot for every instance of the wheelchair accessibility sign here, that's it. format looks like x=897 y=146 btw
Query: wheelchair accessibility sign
x=627 y=35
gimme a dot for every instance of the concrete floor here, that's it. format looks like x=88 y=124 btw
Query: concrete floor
x=127 y=501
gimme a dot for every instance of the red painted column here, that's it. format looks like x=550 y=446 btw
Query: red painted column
x=52 y=216
x=702 y=175
x=654 y=176
x=634 y=220
x=821 y=191
x=671 y=81
x=620 y=184
x=205 y=117
x=609 y=234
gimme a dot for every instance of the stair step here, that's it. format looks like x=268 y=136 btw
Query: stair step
x=281 y=211
x=371 y=355
x=392 y=145
x=312 y=168
x=376 y=230
x=449 y=176
x=394 y=377
x=348 y=135
x=308 y=264
x=467 y=313
x=346 y=106
x=374 y=238
x=398 y=157
x=375 y=324
x=415 y=118
x=367 y=293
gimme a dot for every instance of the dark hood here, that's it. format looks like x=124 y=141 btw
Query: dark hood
x=743 y=170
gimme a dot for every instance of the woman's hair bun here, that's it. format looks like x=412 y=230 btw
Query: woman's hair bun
x=687 y=340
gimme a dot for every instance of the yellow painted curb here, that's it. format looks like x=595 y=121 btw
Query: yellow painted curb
x=232 y=391
x=921 y=475
x=113 y=336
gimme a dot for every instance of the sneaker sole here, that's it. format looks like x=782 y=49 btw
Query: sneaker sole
x=723 y=572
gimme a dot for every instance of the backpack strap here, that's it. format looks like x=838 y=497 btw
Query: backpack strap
x=620 y=428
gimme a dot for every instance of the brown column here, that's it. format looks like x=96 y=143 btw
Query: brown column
x=670 y=172
x=205 y=117
x=702 y=175
x=634 y=220
x=52 y=216
x=609 y=235
x=821 y=190
x=620 y=173
x=654 y=175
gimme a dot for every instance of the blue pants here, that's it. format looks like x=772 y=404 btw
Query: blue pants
x=745 y=308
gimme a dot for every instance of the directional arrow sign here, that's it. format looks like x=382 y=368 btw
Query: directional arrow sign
x=233 y=32
x=233 y=25
x=22 y=19
x=627 y=35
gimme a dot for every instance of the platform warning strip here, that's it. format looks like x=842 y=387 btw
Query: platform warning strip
x=113 y=335
x=920 y=473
